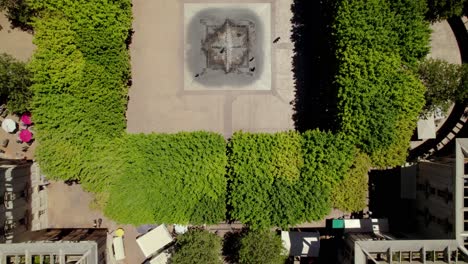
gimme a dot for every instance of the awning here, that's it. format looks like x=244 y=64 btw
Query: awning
x=155 y=240
x=9 y=125
x=118 y=246
x=304 y=244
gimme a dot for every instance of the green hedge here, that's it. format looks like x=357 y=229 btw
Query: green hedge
x=378 y=43
x=171 y=178
x=284 y=179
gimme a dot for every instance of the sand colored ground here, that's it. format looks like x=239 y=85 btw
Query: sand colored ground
x=158 y=102
x=14 y=41
x=68 y=208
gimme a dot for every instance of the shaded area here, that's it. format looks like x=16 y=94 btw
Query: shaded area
x=385 y=201
x=314 y=65
x=461 y=35
x=232 y=245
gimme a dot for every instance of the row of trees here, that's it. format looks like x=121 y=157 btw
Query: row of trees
x=80 y=73
x=251 y=247
x=378 y=44
x=170 y=178
x=277 y=179
x=284 y=179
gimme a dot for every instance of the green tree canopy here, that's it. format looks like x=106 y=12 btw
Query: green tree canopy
x=378 y=42
x=197 y=247
x=284 y=179
x=170 y=178
x=80 y=87
x=263 y=171
x=262 y=247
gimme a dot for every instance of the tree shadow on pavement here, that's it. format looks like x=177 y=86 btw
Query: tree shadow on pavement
x=313 y=65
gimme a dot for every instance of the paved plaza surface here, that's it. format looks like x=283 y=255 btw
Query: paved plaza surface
x=160 y=99
x=444 y=45
x=68 y=207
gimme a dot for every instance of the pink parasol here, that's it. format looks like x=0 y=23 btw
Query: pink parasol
x=25 y=135
x=26 y=119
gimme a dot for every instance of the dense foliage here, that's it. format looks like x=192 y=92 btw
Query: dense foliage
x=444 y=84
x=283 y=179
x=197 y=247
x=444 y=9
x=261 y=247
x=264 y=171
x=171 y=178
x=379 y=97
x=81 y=68
x=351 y=193
x=15 y=82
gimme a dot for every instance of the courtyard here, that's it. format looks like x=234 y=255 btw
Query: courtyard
x=167 y=97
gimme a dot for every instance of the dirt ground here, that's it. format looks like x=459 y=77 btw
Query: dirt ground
x=158 y=102
x=14 y=41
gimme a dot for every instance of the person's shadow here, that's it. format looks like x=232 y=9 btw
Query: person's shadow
x=313 y=65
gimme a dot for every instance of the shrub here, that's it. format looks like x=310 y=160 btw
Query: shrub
x=351 y=193
x=15 y=82
x=170 y=178
x=262 y=247
x=197 y=247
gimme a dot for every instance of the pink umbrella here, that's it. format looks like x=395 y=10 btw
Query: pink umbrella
x=25 y=135
x=26 y=119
